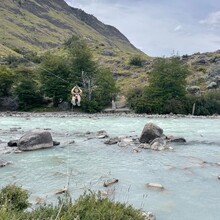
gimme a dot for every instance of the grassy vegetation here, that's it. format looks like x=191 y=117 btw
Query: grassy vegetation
x=89 y=206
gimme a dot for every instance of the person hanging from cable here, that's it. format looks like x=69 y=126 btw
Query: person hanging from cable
x=76 y=95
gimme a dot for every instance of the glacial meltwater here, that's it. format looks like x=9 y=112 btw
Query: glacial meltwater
x=189 y=173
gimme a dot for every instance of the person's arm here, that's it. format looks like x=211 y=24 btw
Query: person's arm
x=72 y=91
x=80 y=91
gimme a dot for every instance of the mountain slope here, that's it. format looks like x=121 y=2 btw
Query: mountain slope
x=41 y=25
x=38 y=24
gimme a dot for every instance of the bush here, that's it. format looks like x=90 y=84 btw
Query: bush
x=89 y=206
x=28 y=94
x=6 y=80
x=207 y=104
x=136 y=61
x=92 y=206
x=13 y=198
x=166 y=90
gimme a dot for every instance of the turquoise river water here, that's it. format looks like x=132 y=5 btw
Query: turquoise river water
x=192 y=188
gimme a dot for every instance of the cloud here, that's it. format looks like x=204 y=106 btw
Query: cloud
x=213 y=19
x=178 y=28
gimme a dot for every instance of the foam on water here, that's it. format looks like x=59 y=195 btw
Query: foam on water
x=192 y=190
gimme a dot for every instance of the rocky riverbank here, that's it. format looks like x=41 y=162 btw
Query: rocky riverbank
x=76 y=114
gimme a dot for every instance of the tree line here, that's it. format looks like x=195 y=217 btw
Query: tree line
x=166 y=92
x=34 y=82
x=52 y=76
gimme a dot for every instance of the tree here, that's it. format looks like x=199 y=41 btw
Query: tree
x=106 y=87
x=56 y=78
x=166 y=90
x=82 y=61
x=6 y=80
x=28 y=94
x=85 y=70
x=167 y=82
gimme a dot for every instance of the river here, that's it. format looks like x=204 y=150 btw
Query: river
x=192 y=188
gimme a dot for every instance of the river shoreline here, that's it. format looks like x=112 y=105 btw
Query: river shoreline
x=74 y=114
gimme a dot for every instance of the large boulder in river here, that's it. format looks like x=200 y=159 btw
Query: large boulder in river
x=150 y=132
x=35 y=139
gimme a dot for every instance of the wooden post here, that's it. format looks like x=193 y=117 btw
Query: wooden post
x=193 y=109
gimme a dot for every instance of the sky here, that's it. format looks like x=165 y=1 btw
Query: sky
x=161 y=27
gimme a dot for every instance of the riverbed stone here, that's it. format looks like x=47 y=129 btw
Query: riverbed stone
x=112 y=141
x=150 y=132
x=155 y=186
x=158 y=144
x=56 y=143
x=35 y=139
x=144 y=146
x=110 y=182
x=13 y=143
x=3 y=163
x=176 y=139
x=149 y=216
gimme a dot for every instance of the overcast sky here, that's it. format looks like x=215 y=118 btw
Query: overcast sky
x=161 y=27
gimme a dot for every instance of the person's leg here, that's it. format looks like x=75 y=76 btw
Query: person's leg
x=79 y=99
x=73 y=101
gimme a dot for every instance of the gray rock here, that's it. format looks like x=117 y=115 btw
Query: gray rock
x=150 y=132
x=144 y=146
x=122 y=144
x=13 y=143
x=107 y=53
x=112 y=141
x=194 y=90
x=149 y=216
x=110 y=182
x=212 y=85
x=158 y=144
x=15 y=129
x=155 y=186
x=3 y=163
x=176 y=139
x=35 y=139
x=136 y=150
x=101 y=134
x=56 y=143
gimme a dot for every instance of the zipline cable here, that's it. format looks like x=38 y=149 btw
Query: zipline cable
x=44 y=69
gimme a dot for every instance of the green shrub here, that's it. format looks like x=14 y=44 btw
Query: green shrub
x=28 y=94
x=136 y=61
x=93 y=207
x=89 y=206
x=207 y=104
x=13 y=198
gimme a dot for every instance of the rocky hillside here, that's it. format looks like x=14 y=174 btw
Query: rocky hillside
x=205 y=68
